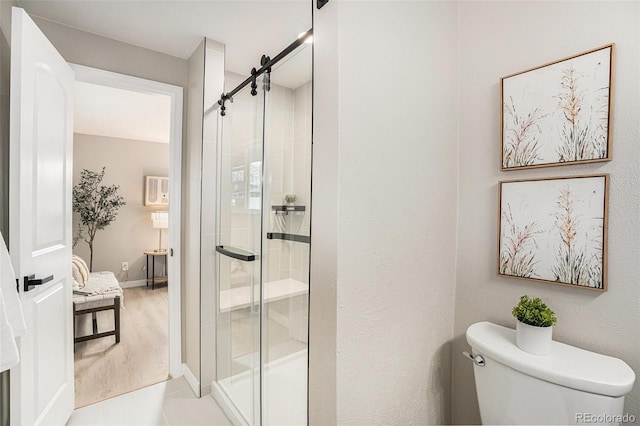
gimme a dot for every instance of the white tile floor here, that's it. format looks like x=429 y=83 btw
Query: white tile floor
x=164 y=404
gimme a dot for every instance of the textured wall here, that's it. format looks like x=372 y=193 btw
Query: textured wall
x=497 y=39
x=127 y=162
x=324 y=209
x=396 y=207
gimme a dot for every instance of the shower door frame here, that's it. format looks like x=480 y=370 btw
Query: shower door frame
x=219 y=392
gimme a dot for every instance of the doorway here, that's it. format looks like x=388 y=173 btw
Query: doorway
x=144 y=248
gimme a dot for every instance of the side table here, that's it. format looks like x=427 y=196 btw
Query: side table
x=162 y=279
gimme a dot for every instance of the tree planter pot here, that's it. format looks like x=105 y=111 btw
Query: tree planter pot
x=535 y=340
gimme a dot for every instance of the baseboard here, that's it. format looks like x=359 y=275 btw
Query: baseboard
x=134 y=283
x=227 y=406
x=191 y=379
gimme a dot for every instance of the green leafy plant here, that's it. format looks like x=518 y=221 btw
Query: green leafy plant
x=290 y=198
x=534 y=311
x=97 y=206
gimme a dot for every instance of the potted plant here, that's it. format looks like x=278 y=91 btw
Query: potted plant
x=290 y=199
x=535 y=325
x=96 y=204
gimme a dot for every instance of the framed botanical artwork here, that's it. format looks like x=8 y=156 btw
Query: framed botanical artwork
x=558 y=113
x=156 y=191
x=555 y=230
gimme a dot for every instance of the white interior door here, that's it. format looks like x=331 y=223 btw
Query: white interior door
x=40 y=223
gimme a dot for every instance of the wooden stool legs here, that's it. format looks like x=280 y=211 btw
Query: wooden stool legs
x=95 y=335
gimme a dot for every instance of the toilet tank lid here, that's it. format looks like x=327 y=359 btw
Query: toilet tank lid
x=567 y=365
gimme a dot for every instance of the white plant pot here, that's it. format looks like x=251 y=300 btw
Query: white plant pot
x=535 y=340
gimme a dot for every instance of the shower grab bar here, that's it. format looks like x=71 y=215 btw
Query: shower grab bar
x=288 y=237
x=236 y=253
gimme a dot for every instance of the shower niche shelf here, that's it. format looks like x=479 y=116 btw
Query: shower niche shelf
x=281 y=212
x=286 y=209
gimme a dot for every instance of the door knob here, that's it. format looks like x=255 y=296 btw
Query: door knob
x=30 y=282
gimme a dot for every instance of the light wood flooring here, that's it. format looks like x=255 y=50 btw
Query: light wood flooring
x=104 y=369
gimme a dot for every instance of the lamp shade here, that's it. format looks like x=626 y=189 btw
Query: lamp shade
x=160 y=220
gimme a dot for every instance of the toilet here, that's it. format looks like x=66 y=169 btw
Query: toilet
x=569 y=386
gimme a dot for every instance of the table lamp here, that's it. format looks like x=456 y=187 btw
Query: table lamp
x=160 y=221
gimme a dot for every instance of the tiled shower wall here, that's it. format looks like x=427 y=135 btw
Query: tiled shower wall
x=287 y=153
x=288 y=171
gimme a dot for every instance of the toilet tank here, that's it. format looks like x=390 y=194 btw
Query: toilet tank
x=569 y=386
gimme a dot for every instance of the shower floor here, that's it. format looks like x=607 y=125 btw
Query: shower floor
x=285 y=390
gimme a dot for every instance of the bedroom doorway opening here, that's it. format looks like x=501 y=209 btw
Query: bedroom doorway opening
x=126 y=156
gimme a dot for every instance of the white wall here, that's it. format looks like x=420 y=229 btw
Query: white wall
x=214 y=81
x=396 y=65
x=497 y=39
x=127 y=163
x=191 y=215
x=324 y=227
x=206 y=78
x=84 y=48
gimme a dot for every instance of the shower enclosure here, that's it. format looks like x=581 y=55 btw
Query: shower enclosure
x=263 y=241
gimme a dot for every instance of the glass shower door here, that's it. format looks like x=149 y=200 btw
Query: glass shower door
x=286 y=240
x=263 y=245
x=238 y=257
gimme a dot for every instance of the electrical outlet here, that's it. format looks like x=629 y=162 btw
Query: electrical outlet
x=125 y=266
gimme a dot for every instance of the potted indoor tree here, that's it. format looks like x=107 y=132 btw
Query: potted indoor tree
x=535 y=325
x=97 y=206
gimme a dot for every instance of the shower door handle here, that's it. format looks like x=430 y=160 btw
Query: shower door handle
x=236 y=253
x=288 y=237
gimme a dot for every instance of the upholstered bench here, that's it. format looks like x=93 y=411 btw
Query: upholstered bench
x=101 y=292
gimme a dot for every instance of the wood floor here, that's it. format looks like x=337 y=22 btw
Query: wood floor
x=104 y=369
